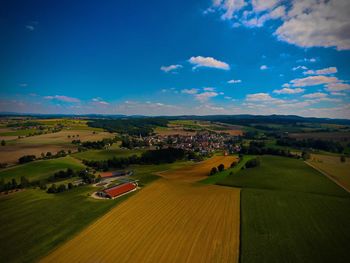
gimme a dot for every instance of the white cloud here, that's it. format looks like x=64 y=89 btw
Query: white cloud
x=229 y=7
x=189 y=91
x=316 y=95
x=234 y=81
x=30 y=27
x=313 y=23
x=312 y=81
x=170 y=68
x=306 y=23
x=209 y=89
x=325 y=71
x=299 y=67
x=98 y=100
x=209 y=62
x=289 y=91
x=259 y=97
x=228 y=98
x=337 y=86
x=62 y=98
x=205 y=96
x=263 y=5
x=263 y=67
x=338 y=94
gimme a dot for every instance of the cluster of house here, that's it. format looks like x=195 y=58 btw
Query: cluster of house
x=203 y=142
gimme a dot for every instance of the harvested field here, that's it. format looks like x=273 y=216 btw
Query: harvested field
x=11 y=154
x=198 y=171
x=62 y=137
x=52 y=142
x=173 y=131
x=333 y=168
x=167 y=221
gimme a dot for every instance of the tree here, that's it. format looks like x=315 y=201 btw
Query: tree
x=213 y=171
x=253 y=163
x=305 y=155
x=3 y=143
x=221 y=167
x=342 y=159
x=61 y=188
x=26 y=159
x=14 y=183
x=52 y=189
x=24 y=182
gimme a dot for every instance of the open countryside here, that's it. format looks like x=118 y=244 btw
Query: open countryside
x=194 y=131
x=168 y=221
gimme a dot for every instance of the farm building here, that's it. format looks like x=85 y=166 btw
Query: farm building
x=118 y=190
x=116 y=173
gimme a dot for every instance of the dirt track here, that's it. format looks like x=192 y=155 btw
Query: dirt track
x=167 y=221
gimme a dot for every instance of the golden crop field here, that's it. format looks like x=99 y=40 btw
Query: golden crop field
x=198 y=171
x=167 y=221
x=333 y=167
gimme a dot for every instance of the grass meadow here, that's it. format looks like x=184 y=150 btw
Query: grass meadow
x=41 y=169
x=291 y=213
x=33 y=222
x=100 y=155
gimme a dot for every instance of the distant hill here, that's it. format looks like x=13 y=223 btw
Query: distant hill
x=242 y=119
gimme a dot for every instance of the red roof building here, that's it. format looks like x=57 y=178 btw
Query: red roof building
x=118 y=190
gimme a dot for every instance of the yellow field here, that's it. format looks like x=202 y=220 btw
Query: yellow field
x=198 y=171
x=333 y=168
x=52 y=142
x=167 y=221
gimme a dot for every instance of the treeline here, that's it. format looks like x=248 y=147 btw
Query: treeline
x=97 y=144
x=142 y=126
x=48 y=155
x=13 y=184
x=259 y=148
x=329 y=146
x=167 y=155
x=131 y=143
x=84 y=175
x=24 y=124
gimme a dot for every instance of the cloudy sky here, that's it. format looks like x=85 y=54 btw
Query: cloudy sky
x=176 y=57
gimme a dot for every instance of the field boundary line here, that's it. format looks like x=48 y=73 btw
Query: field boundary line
x=328 y=176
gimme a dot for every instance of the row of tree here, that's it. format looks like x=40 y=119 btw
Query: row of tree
x=167 y=155
x=132 y=126
x=325 y=145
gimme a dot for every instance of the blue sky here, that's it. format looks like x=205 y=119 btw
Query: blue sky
x=176 y=57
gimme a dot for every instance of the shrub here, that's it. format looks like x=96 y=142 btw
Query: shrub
x=26 y=159
x=213 y=171
x=253 y=163
x=233 y=164
x=221 y=167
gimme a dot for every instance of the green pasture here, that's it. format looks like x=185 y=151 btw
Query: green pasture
x=39 y=170
x=291 y=213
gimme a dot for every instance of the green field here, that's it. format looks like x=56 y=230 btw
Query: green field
x=218 y=177
x=286 y=174
x=100 y=155
x=291 y=213
x=39 y=170
x=33 y=222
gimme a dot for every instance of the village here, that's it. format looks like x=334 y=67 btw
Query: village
x=203 y=142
